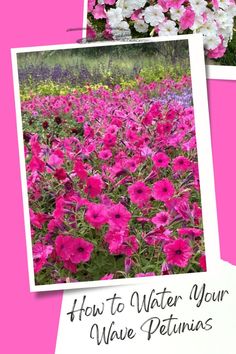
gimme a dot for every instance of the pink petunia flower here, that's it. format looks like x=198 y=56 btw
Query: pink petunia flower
x=139 y=193
x=80 y=170
x=190 y=231
x=128 y=264
x=81 y=250
x=105 y=154
x=181 y=163
x=60 y=174
x=94 y=186
x=109 y=140
x=96 y=215
x=148 y=274
x=202 y=262
x=40 y=255
x=175 y=3
x=187 y=20
x=163 y=190
x=129 y=246
x=70 y=266
x=36 y=164
x=161 y=160
x=114 y=239
x=99 y=12
x=119 y=216
x=178 y=252
x=107 y=277
x=161 y=219
x=63 y=246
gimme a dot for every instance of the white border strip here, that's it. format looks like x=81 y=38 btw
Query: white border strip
x=221 y=72
x=204 y=156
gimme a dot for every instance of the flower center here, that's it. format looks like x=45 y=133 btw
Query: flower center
x=139 y=191
x=80 y=249
x=178 y=252
x=117 y=216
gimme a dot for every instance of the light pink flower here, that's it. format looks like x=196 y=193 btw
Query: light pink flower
x=161 y=219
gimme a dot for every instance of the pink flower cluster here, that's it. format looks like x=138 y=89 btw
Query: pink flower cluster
x=113 y=183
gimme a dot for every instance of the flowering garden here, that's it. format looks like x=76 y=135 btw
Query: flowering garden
x=214 y=19
x=112 y=169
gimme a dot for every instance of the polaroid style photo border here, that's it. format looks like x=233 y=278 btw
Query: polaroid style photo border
x=204 y=149
x=221 y=72
x=215 y=72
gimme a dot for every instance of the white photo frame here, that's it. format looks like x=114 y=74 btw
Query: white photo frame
x=215 y=72
x=203 y=137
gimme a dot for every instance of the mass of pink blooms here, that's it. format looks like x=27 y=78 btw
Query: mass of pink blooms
x=113 y=184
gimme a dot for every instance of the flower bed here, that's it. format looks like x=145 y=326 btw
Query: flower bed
x=113 y=182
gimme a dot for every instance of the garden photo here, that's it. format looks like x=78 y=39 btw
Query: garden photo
x=214 y=19
x=111 y=161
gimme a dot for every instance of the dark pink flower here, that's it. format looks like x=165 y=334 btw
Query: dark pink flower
x=181 y=163
x=163 y=190
x=60 y=174
x=36 y=164
x=114 y=239
x=202 y=262
x=96 y=215
x=148 y=274
x=129 y=246
x=81 y=250
x=94 y=186
x=105 y=154
x=139 y=193
x=119 y=216
x=107 y=276
x=190 y=231
x=161 y=160
x=40 y=255
x=63 y=245
x=80 y=170
x=109 y=140
x=178 y=252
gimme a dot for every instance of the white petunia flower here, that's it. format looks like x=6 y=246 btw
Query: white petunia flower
x=176 y=14
x=208 y=28
x=122 y=30
x=141 y=26
x=154 y=15
x=231 y=10
x=138 y=4
x=167 y=28
x=126 y=6
x=198 y=22
x=114 y=16
x=211 y=41
x=198 y=6
x=224 y=4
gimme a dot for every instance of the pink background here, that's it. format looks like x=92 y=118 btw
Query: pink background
x=30 y=321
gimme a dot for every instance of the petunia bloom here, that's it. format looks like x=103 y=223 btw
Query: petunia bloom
x=139 y=193
x=163 y=190
x=178 y=252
